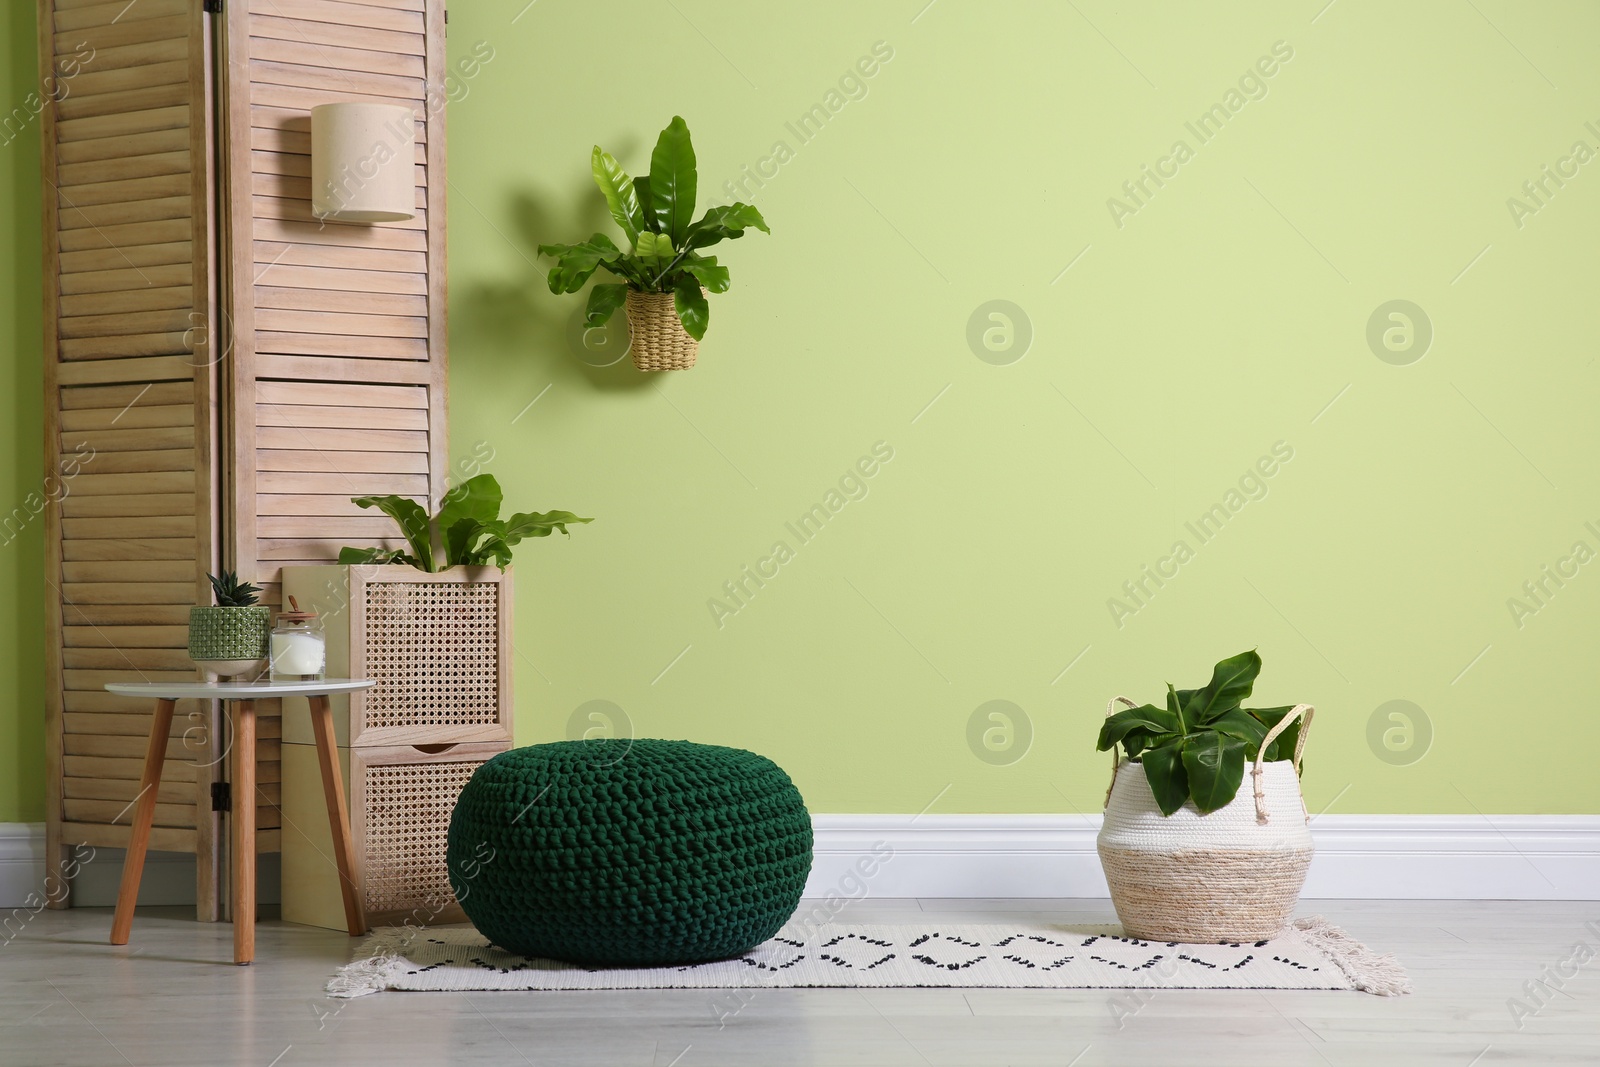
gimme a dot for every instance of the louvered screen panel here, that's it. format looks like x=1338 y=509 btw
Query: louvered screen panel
x=129 y=392
x=127 y=578
x=336 y=372
x=310 y=462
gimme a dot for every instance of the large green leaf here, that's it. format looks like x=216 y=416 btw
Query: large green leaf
x=485 y=543
x=492 y=550
x=474 y=501
x=1136 y=741
x=707 y=272
x=491 y=542
x=656 y=247
x=535 y=524
x=673 y=182
x=641 y=193
x=724 y=223
x=604 y=300
x=617 y=188
x=1238 y=723
x=478 y=497
x=1149 y=718
x=575 y=263
x=458 y=541
x=690 y=303
x=1164 y=770
x=413 y=521
x=1282 y=746
x=1231 y=681
x=1215 y=764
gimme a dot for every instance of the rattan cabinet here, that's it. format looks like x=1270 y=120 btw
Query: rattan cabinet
x=223 y=372
x=439 y=647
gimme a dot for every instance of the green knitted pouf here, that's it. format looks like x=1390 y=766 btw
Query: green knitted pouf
x=617 y=853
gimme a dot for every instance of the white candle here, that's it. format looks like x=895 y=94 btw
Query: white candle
x=298 y=653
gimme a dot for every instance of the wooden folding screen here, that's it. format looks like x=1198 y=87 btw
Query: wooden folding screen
x=336 y=376
x=130 y=391
x=236 y=369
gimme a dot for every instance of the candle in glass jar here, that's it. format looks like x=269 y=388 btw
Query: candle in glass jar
x=298 y=653
x=299 y=645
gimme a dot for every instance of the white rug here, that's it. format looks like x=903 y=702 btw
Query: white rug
x=1311 y=954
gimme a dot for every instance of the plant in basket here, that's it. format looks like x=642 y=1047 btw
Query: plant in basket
x=1187 y=857
x=663 y=276
x=1195 y=747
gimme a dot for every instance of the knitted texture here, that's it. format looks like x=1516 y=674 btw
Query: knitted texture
x=229 y=633
x=618 y=853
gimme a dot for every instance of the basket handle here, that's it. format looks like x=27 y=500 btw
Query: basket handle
x=1116 y=761
x=1272 y=735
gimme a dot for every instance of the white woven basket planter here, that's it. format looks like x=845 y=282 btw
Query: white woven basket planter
x=1234 y=874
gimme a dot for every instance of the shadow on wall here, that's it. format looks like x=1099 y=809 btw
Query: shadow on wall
x=518 y=320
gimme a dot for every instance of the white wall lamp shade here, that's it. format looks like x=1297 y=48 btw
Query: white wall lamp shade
x=363 y=165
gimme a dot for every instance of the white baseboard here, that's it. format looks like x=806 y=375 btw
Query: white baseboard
x=1377 y=857
x=1459 y=857
x=21 y=863
x=168 y=876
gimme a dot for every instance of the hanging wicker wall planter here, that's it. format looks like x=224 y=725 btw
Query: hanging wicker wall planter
x=1234 y=874
x=657 y=338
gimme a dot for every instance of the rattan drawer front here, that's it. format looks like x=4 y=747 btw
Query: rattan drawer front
x=405 y=798
x=435 y=650
x=400 y=799
x=438 y=645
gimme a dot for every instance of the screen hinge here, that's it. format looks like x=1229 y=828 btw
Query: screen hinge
x=221 y=796
x=212 y=6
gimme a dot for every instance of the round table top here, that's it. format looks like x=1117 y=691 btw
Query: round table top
x=237 y=690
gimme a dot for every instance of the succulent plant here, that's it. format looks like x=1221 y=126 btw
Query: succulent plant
x=231 y=592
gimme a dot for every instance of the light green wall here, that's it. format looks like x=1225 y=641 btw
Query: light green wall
x=21 y=390
x=1219 y=319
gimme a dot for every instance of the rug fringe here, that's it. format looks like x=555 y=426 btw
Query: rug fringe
x=371 y=973
x=1381 y=975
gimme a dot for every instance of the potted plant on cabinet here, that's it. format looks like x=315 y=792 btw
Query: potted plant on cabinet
x=1188 y=856
x=430 y=621
x=664 y=276
x=230 y=638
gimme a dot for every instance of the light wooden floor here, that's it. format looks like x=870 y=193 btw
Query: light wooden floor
x=170 y=997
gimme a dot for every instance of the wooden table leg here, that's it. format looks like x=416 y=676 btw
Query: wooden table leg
x=338 y=813
x=143 y=817
x=244 y=832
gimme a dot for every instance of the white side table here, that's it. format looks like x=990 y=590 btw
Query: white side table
x=242 y=695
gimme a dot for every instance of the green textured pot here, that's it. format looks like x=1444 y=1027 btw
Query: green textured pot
x=229 y=641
